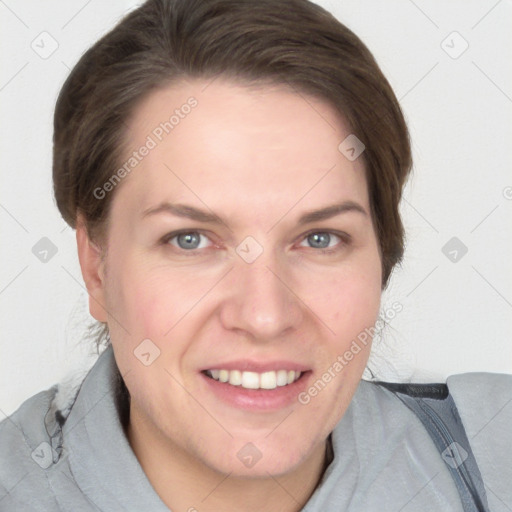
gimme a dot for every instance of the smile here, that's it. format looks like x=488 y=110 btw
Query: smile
x=255 y=380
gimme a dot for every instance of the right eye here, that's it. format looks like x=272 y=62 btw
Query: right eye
x=185 y=241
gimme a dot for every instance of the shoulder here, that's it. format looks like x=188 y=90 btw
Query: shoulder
x=25 y=448
x=494 y=386
x=39 y=417
x=486 y=390
x=30 y=445
x=26 y=424
x=387 y=451
x=484 y=402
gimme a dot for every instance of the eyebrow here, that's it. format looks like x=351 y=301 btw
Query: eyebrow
x=192 y=213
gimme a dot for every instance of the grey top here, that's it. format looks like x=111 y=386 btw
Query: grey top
x=77 y=458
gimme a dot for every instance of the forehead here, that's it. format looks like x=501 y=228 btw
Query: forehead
x=221 y=145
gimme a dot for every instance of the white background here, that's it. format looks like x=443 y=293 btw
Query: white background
x=456 y=317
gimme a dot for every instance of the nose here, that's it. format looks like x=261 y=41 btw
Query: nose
x=262 y=304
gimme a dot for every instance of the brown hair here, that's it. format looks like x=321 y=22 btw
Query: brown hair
x=290 y=42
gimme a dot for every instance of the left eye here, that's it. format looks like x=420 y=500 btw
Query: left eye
x=319 y=238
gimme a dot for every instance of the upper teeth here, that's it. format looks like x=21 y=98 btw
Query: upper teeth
x=254 y=380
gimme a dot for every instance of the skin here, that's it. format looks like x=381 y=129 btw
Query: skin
x=258 y=158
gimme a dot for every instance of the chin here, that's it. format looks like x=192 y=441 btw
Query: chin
x=247 y=459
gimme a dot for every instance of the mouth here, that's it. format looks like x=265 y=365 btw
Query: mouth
x=259 y=392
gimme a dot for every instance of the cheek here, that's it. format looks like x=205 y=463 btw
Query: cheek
x=151 y=299
x=150 y=305
x=348 y=300
x=348 y=305
x=132 y=295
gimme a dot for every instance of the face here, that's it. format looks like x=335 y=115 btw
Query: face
x=216 y=268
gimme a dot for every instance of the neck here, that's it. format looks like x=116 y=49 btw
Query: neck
x=184 y=482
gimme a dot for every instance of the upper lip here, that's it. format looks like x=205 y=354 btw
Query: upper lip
x=246 y=365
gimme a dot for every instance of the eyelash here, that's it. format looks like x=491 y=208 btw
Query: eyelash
x=346 y=239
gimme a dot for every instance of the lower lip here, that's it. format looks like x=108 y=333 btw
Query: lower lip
x=258 y=399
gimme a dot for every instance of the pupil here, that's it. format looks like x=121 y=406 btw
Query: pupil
x=316 y=237
x=191 y=240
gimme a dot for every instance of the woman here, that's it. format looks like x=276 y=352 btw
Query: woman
x=233 y=170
